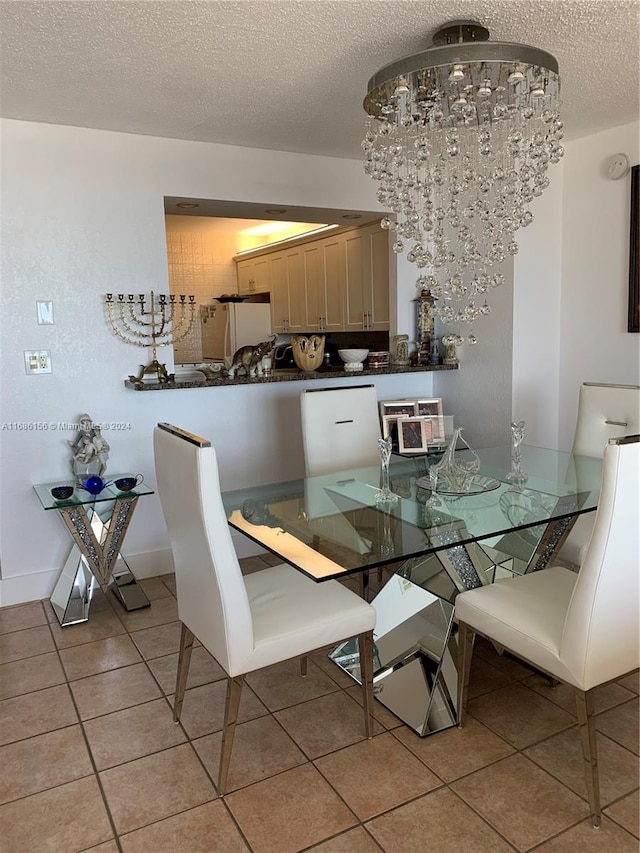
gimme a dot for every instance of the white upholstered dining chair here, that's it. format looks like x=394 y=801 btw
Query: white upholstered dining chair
x=581 y=629
x=246 y=623
x=340 y=428
x=604 y=411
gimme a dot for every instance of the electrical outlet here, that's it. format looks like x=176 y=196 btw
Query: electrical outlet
x=37 y=361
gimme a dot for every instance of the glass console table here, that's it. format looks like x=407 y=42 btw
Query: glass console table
x=329 y=527
x=97 y=524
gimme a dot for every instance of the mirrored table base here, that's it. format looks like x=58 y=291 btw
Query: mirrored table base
x=95 y=561
x=74 y=589
x=415 y=641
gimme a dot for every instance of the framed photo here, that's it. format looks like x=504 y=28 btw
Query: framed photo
x=412 y=435
x=431 y=406
x=397 y=408
x=390 y=427
x=436 y=428
x=634 y=254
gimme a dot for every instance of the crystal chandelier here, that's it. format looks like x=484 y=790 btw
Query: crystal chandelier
x=460 y=138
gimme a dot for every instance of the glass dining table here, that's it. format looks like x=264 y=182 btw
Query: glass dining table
x=330 y=527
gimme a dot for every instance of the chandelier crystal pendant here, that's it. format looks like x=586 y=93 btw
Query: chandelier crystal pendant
x=459 y=139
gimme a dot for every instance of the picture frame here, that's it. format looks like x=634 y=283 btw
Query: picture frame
x=633 y=322
x=429 y=406
x=397 y=408
x=412 y=435
x=390 y=427
x=438 y=430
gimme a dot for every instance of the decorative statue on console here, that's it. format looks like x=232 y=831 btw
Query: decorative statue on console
x=89 y=450
x=249 y=358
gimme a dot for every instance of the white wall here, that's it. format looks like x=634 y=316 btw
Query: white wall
x=595 y=345
x=571 y=289
x=82 y=215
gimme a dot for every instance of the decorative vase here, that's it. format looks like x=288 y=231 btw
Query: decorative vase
x=517 y=476
x=385 y=495
x=308 y=352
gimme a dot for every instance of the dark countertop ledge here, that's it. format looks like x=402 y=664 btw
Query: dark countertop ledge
x=289 y=375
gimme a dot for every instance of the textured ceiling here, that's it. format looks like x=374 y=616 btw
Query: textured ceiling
x=288 y=74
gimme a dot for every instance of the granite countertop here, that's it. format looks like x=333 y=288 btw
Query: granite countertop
x=288 y=375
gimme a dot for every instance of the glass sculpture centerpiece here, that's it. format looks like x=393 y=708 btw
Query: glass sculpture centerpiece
x=454 y=474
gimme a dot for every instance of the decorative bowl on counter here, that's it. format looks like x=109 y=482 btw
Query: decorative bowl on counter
x=378 y=359
x=308 y=352
x=353 y=358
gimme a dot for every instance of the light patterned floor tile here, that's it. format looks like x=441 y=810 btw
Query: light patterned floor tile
x=65 y=819
x=99 y=656
x=41 y=762
x=626 y=812
x=289 y=812
x=25 y=676
x=439 y=821
x=261 y=748
x=376 y=775
x=205 y=829
x=584 y=838
x=457 y=751
x=36 y=713
x=155 y=787
x=561 y=756
x=522 y=802
x=466 y=785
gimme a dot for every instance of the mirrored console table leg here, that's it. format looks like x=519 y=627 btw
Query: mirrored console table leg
x=94 y=560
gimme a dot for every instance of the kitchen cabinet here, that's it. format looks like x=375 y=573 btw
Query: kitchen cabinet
x=323 y=268
x=287 y=291
x=253 y=276
x=335 y=283
x=366 y=288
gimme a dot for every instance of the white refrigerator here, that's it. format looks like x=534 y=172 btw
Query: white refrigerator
x=236 y=324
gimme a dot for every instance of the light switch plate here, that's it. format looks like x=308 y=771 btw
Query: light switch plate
x=37 y=361
x=44 y=310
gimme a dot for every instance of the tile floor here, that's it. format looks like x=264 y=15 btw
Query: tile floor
x=91 y=760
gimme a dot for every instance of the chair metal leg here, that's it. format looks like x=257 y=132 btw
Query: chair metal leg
x=587 y=726
x=465 y=653
x=234 y=691
x=184 y=661
x=303 y=666
x=365 y=649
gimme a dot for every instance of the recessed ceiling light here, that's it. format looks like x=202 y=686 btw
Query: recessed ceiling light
x=276 y=210
x=352 y=216
x=187 y=204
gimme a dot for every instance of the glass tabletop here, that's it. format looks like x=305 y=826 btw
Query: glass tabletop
x=330 y=525
x=81 y=497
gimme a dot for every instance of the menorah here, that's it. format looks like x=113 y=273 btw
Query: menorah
x=164 y=321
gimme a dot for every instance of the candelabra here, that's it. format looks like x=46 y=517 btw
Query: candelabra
x=160 y=322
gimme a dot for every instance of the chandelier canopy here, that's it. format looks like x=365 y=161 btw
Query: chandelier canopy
x=460 y=138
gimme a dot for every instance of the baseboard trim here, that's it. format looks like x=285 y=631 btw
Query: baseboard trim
x=34 y=586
